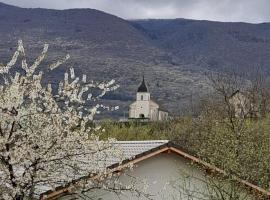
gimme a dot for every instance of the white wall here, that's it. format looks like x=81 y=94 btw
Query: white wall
x=143 y=96
x=165 y=177
x=163 y=116
x=142 y=105
x=142 y=108
x=132 y=110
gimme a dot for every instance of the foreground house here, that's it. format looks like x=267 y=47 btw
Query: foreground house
x=144 y=108
x=164 y=171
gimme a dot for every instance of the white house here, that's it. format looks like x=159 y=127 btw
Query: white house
x=242 y=105
x=145 y=108
x=164 y=171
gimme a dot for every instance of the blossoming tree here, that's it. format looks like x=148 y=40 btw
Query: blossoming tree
x=44 y=134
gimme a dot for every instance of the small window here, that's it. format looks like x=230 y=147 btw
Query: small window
x=141 y=97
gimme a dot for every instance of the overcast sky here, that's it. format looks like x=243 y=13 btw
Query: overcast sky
x=254 y=11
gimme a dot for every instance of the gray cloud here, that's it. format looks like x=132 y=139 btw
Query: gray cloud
x=254 y=11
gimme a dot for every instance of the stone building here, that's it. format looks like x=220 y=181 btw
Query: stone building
x=145 y=108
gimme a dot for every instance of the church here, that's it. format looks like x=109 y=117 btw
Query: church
x=144 y=108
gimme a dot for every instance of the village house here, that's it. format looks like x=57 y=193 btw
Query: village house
x=144 y=108
x=243 y=106
x=164 y=171
x=240 y=104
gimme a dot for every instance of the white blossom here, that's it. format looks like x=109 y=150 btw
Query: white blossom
x=72 y=73
x=84 y=78
x=59 y=62
x=44 y=138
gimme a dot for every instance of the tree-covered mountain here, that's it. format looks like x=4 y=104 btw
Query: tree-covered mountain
x=172 y=54
x=212 y=45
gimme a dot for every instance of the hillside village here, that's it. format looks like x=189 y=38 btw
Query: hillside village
x=194 y=131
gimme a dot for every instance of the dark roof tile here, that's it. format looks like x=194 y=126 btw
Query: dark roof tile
x=142 y=87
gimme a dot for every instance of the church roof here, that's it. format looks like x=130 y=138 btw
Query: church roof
x=160 y=105
x=142 y=87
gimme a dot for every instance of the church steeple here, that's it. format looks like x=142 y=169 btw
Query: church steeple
x=142 y=87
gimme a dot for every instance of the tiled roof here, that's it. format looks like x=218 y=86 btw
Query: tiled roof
x=127 y=151
x=133 y=148
x=130 y=149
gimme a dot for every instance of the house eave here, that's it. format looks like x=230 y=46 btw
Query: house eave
x=169 y=148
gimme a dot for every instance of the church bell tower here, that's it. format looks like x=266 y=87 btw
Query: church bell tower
x=142 y=93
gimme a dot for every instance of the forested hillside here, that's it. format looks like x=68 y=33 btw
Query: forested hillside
x=174 y=55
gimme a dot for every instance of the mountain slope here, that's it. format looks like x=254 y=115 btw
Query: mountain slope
x=172 y=54
x=103 y=47
x=211 y=45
